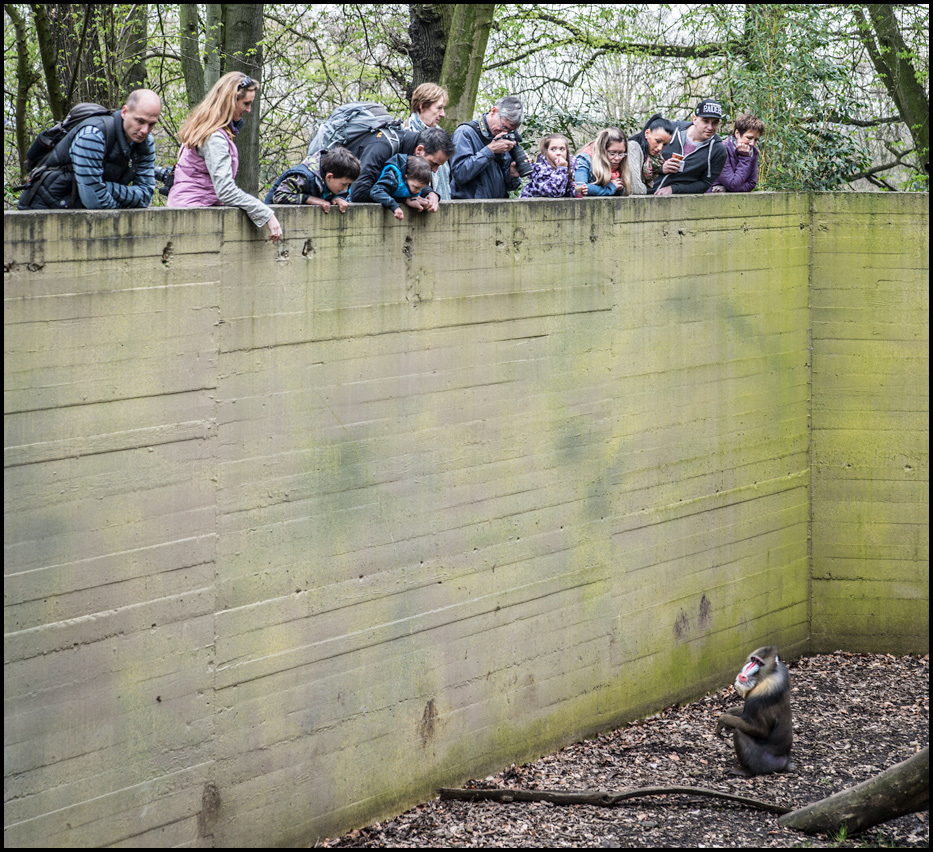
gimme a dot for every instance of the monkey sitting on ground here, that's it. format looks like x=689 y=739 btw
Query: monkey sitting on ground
x=763 y=730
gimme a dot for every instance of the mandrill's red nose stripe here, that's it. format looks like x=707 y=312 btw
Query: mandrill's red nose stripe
x=743 y=675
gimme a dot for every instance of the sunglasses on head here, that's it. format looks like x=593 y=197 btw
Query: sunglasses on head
x=245 y=83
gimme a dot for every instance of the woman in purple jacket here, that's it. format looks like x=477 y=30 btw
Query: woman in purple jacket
x=740 y=173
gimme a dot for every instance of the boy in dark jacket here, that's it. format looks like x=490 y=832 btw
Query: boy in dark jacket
x=695 y=156
x=322 y=179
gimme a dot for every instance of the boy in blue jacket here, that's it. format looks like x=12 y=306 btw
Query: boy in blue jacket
x=403 y=176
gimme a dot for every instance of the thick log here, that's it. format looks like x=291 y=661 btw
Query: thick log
x=902 y=789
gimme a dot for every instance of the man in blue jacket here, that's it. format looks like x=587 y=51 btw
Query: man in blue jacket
x=482 y=166
x=695 y=156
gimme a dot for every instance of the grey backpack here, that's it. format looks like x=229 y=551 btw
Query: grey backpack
x=350 y=121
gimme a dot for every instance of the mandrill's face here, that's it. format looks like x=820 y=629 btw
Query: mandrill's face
x=747 y=679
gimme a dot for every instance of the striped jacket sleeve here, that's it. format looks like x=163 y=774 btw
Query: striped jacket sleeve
x=87 y=156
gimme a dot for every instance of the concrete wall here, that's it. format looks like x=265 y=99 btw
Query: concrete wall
x=294 y=536
x=871 y=420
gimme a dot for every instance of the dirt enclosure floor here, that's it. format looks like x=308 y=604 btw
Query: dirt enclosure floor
x=854 y=716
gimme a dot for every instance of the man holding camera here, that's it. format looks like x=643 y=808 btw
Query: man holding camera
x=488 y=157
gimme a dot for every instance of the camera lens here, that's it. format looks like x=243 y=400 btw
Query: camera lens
x=520 y=158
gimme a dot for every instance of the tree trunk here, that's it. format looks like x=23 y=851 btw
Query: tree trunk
x=463 y=59
x=243 y=51
x=428 y=32
x=49 y=55
x=191 y=68
x=902 y=789
x=97 y=51
x=132 y=47
x=83 y=34
x=23 y=83
x=891 y=58
x=200 y=77
x=600 y=798
x=213 y=44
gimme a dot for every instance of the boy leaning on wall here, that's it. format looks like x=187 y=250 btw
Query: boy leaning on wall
x=740 y=172
x=321 y=179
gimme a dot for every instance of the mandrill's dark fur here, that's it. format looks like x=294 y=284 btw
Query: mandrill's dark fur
x=763 y=729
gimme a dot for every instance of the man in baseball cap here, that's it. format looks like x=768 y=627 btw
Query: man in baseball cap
x=695 y=156
x=709 y=109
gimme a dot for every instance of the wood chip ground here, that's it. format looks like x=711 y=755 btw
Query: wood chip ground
x=854 y=715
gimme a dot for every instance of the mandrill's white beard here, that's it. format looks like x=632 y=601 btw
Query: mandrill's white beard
x=743 y=688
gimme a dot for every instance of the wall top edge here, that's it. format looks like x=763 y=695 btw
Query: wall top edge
x=25 y=232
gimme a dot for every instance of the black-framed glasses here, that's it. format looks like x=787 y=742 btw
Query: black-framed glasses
x=245 y=83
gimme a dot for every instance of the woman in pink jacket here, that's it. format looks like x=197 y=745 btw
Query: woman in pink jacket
x=207 y=166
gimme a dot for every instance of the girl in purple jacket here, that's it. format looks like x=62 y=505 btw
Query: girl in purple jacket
x=740 y=173
x=552 y=174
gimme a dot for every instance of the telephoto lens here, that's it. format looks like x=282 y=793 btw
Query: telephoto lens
x=519 y=157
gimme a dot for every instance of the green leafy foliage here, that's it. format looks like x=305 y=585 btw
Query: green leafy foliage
x=804 y=69
x=785 y=75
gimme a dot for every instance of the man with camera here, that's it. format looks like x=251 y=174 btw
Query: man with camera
x=488 y=159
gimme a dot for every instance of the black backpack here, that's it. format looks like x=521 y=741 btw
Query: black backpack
x=37 y=157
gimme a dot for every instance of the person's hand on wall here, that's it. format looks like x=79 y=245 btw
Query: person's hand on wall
x=275 y=229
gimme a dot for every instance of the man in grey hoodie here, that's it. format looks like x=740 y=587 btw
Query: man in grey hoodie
x=695 y=156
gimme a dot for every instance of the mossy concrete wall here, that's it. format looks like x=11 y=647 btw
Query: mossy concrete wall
x=294 y=536
x=871 y=419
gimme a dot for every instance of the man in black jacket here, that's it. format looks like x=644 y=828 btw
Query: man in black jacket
x=107 y=162
x=374 y=150
x=695 y=156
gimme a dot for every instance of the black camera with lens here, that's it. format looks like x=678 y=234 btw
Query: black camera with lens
x=165 y=176
x=519 y=157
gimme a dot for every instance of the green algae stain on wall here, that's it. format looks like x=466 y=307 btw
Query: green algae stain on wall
x=870 y=451
x=419 y=526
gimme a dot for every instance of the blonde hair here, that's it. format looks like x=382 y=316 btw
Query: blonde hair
x=216 y=110
x=427 y=94
x=602 y=170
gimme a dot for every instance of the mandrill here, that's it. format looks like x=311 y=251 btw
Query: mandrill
x=763 y=729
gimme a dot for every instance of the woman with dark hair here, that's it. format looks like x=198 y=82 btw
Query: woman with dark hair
x=645 y=155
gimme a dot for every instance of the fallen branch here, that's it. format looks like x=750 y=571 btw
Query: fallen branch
x=600 y=798
x=902 y=789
